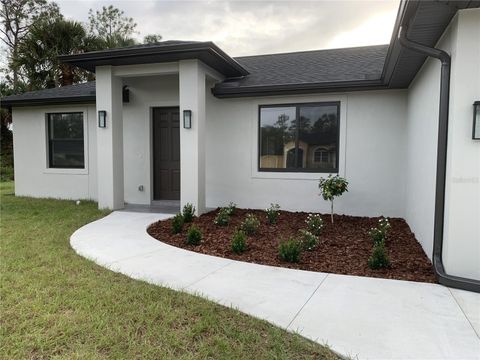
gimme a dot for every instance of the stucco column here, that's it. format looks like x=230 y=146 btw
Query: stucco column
x=192 y=141
x=109 y=140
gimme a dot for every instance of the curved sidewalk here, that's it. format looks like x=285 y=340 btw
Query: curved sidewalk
x=356 y=316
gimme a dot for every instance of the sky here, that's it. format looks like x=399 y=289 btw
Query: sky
x=256 y=27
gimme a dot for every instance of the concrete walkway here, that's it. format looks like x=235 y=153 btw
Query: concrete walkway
x=356 y=316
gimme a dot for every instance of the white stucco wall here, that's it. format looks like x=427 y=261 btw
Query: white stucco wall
x=421 y=153
x=32 y=176
x=461 y=251
x=145 y=93
x=372 y=156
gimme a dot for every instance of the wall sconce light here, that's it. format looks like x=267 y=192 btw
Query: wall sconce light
x=125 y=94
x=102 y=119
x=476 y=121
x=187 y=119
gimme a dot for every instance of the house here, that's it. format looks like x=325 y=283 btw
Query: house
x=182 y=120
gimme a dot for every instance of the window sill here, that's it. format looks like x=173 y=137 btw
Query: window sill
x=284 y=175
x=64 y=171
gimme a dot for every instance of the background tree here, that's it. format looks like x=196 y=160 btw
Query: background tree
x=152 y=39
x=17 y=16
x=6 y=138
x=112 y=27
x=39 y=51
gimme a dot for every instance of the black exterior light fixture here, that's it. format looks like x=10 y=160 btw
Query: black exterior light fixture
x=187 y=119
x=476 y=121
x=125 y=94
x=102 y=119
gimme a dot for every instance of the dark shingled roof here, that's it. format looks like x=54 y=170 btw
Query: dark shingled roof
x=306 y=67
x=73 y=93
x=347 y=64
x=359 y=68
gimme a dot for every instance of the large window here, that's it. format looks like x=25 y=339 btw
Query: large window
x=299 y=138
x=65 y=140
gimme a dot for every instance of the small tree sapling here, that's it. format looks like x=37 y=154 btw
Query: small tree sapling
x=331 y=187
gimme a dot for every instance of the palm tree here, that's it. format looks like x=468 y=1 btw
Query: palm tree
x=47 y=40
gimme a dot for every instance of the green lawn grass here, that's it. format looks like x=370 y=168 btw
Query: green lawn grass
x=56 y=304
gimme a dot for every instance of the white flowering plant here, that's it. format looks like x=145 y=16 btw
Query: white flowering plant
x=379 y=233
x=222 y=218
x=272 y=213
x=231 y=208
x=309 y=240
x=250 y=225
x=314 y=223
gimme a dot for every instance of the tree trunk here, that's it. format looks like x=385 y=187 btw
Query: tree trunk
x=67 y=75
x=14 y=68
x=331 y=209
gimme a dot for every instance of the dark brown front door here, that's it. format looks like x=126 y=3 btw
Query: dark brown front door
x=166 y=153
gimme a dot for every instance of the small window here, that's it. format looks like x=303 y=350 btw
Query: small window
x=65 y=140
x=321 y=156
x=299 y=138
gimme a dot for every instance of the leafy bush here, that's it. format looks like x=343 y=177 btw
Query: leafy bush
x=290 y=250
x=379 y=233
x=188 y=212
x=194 y=235
x=379 y=258
x=177 y=223
x=222 y=217
x=273 y=213
x=332 y=187
x=314 y=223
x=250 y=225
x=309 y=240
x=231 y=208
x=239 y=244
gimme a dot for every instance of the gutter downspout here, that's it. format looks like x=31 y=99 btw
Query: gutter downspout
x=443 y=277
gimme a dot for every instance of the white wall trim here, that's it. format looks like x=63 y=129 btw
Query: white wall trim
x=146 y=69
x=65 y=171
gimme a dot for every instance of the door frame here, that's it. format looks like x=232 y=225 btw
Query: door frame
x=151 y=146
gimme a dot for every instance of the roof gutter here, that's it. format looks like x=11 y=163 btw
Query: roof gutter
x=295 y=89
x=439 y=218
x=8 y=104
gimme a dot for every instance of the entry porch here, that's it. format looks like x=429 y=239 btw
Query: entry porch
x=147 y=155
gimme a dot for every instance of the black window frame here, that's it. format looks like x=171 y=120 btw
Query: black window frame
x=297 y=116
x=49 y=141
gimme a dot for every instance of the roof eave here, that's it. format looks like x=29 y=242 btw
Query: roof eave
x=272 y=90
x=8 y=104
x=89 y=60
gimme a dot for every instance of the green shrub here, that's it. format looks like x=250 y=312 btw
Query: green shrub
x=332 y=187
x=379 y=233
x=290 y=250
x=239 y=244
x=222 y=217
x=250 y=225
x=231 y=208
x=309 y=240
x=379 y=258
x=273 y=213
x=177 y=223
x=194 y=235
x=188 y=212
x=314 y=224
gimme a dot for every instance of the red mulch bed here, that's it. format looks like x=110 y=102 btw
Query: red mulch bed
x=343 y=249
